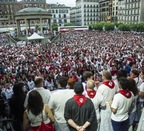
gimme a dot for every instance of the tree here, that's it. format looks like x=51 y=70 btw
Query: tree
x=55 y=27
x=124 y=27
x=109 y=26
x=140 y=27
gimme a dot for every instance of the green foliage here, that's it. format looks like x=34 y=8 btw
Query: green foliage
x=121 y=26
x=69 y=24
x=109 y=26
x=133 y=27
x=55 y=27
x=117 y=24
x=140 y=27
x=98 y=26
x=37 y=27
x=124 y=27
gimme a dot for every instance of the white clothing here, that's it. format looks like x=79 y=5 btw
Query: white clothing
x=123 y=105
x=141 y=89
x=84 y=85
x=116 y=84
x=138 y=81
x=107 y=92
x=108 y=95
x=45 y=94
x=31 y=85
x=105 y=124
x=141 y=122
x=7 y=93
x=57 y=103
x=36 y=120
x=97 y=101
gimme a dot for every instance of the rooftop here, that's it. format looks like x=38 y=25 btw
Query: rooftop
x=32 y=9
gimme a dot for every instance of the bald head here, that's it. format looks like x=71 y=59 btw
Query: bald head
x=90 y=84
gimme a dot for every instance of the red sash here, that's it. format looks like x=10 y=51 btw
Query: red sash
x=91 y=93
x=109 y=84
x=36 y=128
x=80 y=99
x=126 y=93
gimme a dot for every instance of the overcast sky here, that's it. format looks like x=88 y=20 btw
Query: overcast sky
x=70 y=3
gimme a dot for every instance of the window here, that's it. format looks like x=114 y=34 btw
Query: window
x=60 y=21
x=65 y=20
x=64 y=15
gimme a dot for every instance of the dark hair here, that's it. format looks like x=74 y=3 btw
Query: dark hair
x=35 y=102
x=38 y=81
x=78 y=88
x=17 y=89
x=135 y=72
x=133 y=87
x=121 y=73
x=87 y=74
x=124 y=83
x=62 y=81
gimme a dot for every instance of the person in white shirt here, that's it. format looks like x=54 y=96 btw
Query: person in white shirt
x=96 y=98
x=135 y=75
x=141 y=122
x=133 y=88
x=121 y=106
x=121 y=73
x=141 y=95
x=86 y=76
x=30 y=83
x=45 y=93
x=108 y=90
x=57 y=103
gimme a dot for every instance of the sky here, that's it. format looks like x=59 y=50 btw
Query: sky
x=70 y=3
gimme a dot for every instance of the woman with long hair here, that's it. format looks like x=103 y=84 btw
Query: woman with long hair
x=37 y=112
x=17 y=105
x=133 y=88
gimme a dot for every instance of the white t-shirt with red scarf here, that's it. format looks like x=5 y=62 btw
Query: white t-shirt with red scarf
x=107 y=89
x=122 y=102
x=97 y=100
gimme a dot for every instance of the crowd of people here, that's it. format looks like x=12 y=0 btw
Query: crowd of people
x=3 y=39
x=112 y=61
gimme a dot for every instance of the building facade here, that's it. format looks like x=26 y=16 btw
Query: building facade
x=73 y=14
x=121 y=11
x=131 y=11
x=87 y=12
x=115 y=10
x=104 y=10
x=9 y=7
x=60 y=13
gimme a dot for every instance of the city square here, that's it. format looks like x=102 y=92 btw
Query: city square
x=72 y=67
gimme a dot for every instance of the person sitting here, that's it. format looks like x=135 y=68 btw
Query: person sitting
x=37 y=112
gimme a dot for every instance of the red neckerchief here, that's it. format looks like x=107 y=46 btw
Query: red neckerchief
x=126 y=93
x=80 y=99
x=109 y=84
x=91 y=93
